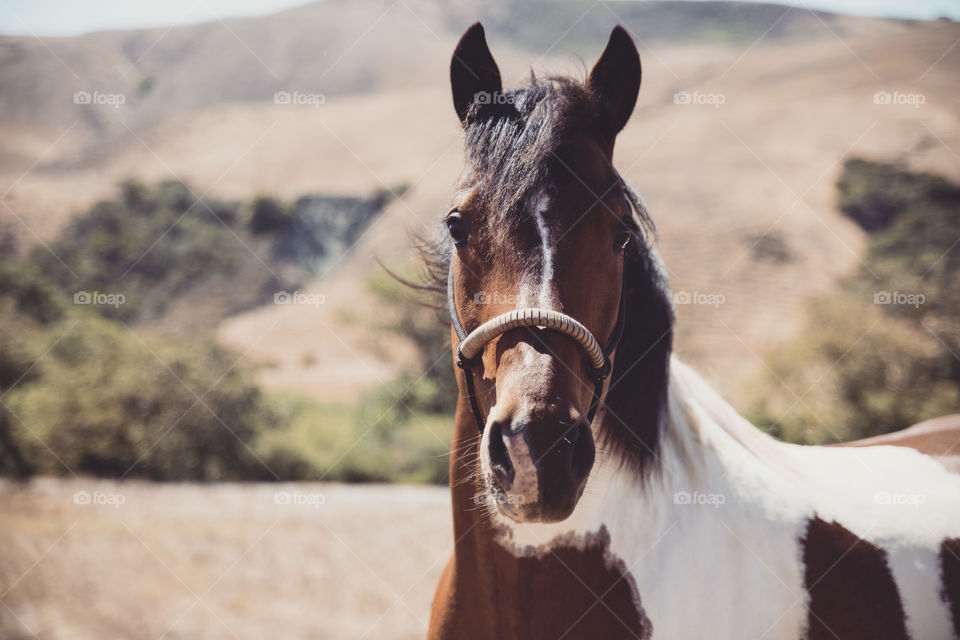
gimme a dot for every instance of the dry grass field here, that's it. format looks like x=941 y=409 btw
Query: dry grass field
x=224 y=561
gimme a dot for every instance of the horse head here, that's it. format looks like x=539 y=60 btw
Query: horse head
x=549 y=265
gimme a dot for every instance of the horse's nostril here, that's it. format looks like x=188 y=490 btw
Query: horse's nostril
x=499 y=457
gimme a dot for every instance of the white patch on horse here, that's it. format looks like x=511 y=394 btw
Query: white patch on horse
x=546 y=274
x=928 y=615
x=722 y=521
x=536 y=289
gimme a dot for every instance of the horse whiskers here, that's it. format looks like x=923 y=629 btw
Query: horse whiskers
x=457 y=451
x=467 y=444
x=468 y=460
x=470 y=464
x=469 y=470
x=465 y=452
x=468 y=479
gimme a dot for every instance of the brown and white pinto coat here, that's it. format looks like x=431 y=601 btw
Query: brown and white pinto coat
x=739 y=536
x=690 y=523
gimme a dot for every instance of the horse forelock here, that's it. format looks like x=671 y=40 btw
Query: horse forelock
x=513 y=144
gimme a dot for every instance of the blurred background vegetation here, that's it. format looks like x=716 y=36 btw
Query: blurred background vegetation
x=140 y=389
x=881 y=351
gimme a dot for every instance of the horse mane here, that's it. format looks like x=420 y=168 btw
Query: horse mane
x=698 y=411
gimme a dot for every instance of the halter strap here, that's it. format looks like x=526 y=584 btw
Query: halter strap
x=533 y=317
x=472 y=344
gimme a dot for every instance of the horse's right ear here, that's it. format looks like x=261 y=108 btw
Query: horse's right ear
x=615 y=81
x=473 y=71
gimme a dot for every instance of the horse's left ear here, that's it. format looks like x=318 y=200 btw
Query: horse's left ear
x=615 y=81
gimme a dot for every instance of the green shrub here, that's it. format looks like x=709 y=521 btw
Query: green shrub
x=350 y=444
x=83 y=393
x=31 y=293
x=874 y=193
x=398 y=432
x=155 y=247
x=403 y=314
x=856 y=373
x=880 y=353
x=269 y=215
x=107 y=402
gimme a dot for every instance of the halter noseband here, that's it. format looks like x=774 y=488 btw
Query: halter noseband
x=472 y=344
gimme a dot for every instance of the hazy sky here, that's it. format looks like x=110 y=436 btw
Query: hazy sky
x=73 y=17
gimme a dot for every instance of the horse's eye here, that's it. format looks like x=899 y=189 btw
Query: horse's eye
x=621 y=239
x=459 y=228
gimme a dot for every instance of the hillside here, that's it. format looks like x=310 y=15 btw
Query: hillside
x=743 y=192
x=338 y=47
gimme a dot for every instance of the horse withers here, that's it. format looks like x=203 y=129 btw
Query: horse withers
x=601 y=489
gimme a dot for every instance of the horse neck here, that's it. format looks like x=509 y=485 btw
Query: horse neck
x=657 y=531
x=629 y=530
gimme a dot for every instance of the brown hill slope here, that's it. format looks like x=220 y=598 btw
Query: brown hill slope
x=743 y=194
x=338 y=47
x=716 y=178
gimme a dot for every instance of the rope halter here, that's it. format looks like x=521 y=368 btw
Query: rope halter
x=472 y=344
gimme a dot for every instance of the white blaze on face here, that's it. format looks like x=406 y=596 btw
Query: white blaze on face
x=536 y=280
x=546 y=275
x=535 y=290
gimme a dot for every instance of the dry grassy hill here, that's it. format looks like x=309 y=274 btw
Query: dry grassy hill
x=798 y=96
x=338 y=47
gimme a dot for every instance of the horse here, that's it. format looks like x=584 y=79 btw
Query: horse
x=938 y=437
x=600 y=487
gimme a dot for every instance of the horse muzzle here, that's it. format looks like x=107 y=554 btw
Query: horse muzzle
x=537 y=469
x=538 y=445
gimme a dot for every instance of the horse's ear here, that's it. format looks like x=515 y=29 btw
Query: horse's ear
x=473 y=71
x=615 y=81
